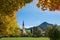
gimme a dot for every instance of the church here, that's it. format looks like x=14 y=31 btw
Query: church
x=23 y=31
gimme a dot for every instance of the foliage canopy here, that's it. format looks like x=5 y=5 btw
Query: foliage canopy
x=8 y=23
x=9 y=6
x=52 y=5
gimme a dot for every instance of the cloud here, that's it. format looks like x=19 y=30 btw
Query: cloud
x=28 y=26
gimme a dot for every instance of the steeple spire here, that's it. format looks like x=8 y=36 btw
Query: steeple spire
x=23 y=28
x=23 y=25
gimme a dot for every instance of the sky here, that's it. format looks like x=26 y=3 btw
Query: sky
x=34 y=16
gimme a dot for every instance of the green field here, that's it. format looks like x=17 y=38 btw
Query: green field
x=25 y=38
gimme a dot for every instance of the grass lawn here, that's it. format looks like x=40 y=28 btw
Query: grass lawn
x=25 y=38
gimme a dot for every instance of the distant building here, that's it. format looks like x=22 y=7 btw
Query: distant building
x=23 y=28
x=43 y=33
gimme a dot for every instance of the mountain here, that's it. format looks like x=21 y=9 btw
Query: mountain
x=43 y=26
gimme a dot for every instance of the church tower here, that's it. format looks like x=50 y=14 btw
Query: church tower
x=23 y=28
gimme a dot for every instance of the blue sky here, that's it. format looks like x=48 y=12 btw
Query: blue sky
x=34 y=16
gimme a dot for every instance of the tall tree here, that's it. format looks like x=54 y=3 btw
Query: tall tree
x=53 y=33
x=36 y=32
x=8 y=9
